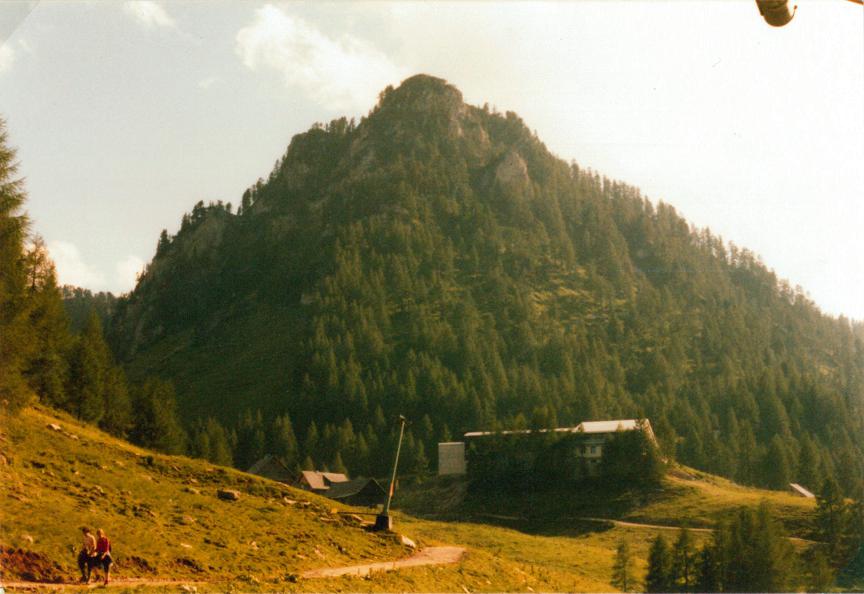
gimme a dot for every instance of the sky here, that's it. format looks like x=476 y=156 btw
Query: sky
x=125 y=114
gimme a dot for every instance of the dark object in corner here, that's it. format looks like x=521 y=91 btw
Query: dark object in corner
x=776 y=12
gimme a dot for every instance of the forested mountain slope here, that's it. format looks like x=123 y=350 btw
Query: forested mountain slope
x=436 y=260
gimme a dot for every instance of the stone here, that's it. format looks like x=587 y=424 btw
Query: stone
x=407 y=542
x=188 y=588
x=27 y=538
x=185 y=545
x=512 y=171
x=55 y=427
x=228 y=494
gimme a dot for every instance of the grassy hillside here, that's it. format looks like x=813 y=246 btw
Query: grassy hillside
x=162 y=512
x=687 y=498
x=167 y=523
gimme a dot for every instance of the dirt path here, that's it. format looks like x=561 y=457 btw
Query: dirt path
x=623 y=524
x=427 y=556
x=77 y=587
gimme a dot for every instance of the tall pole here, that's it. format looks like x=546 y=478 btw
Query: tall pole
x=383 y=520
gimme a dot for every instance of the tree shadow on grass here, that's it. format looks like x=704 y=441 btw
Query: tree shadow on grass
x=566 y=510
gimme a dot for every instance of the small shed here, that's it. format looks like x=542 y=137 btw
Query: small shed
x=360 y=491
x=272 y=468
x=800 y=491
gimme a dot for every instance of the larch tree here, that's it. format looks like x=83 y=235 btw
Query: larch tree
x=17 y=340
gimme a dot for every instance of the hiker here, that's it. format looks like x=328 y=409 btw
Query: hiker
x=103 y=553
x=87 y=555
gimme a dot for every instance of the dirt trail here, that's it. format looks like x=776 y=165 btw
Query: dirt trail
x=77 y=587
x=427 y=556
x=623 y=524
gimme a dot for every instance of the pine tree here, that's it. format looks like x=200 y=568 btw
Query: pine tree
x=283 y=442
x=776 y=469
x=338 y=465
x=421 y=462
x=622 y=569
x=219 y=444
x=660 y=576
x=832 y=516
x=155 y=418
x=312 y=445
x=89 y=367
x=17 y=340
x=684 y=561
x=750 y=553
x=47 y=366
x=116 y=404
x=819 y=574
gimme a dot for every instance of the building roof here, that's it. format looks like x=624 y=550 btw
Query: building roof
x=520 y=431
x=271 y=467
x=799 y=490
x=586 y=427
x=319 y=480
x=353 y=487
x=607 y=426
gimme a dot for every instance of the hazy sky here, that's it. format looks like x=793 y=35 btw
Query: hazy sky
x=126 y=114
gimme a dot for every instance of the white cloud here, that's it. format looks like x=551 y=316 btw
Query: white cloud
x=127 y=272
x=344 y=73
x=149 y=13
x=7 y=56
x=71 y=268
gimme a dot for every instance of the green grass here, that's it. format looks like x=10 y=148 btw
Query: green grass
x=698 y=501
x=166 y=522
x=162 y=512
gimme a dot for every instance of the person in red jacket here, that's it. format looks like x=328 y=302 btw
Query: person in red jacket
x=103 y=553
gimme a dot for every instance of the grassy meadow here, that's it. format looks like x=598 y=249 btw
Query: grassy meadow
x=167 y=523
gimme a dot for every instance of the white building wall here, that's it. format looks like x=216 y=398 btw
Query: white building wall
x=451 y=458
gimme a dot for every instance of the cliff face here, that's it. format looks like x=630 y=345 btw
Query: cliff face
x=435 y=259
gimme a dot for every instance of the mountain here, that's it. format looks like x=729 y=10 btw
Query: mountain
x=436 y=260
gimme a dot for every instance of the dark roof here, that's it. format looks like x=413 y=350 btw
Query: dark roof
x=353 y=487
x=271 y=467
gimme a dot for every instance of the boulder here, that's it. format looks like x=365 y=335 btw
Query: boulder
x=228 y=494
